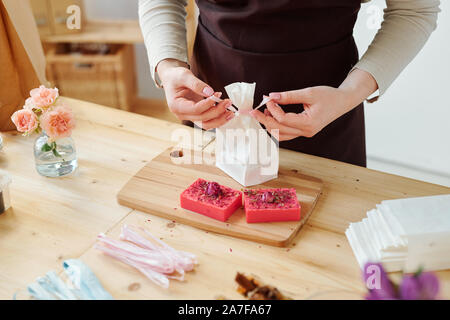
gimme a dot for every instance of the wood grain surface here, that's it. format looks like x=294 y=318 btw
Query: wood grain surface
x=56 y=219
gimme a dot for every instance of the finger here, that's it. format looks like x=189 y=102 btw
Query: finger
x=226 y=102
x=218 y=122
x=211 y=113
x=205 y=104
x=293 y=97
x=216 y=111
x=276 y=111
x=188 y=107
x=196 y=85
x=284 y=129
x=281 y=136
x=293 y=120
x=259 y=116
x=181 y=106
x=302 y=119
x=271 y=123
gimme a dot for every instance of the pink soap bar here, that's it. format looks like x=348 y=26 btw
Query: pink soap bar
x=271 y=205
x=211 y=199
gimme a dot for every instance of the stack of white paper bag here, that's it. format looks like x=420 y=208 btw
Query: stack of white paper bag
x=404 y=234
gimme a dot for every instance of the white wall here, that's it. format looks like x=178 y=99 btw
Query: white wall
x=408 y=129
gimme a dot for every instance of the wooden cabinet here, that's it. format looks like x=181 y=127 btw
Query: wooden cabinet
x=107 y=79
x=51 y=16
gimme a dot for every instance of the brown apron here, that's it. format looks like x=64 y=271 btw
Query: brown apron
x=285 y=45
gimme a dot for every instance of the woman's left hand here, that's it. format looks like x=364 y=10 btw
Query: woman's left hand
x=322 y=105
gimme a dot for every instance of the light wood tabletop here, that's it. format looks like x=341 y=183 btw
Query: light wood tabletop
x=56 y=219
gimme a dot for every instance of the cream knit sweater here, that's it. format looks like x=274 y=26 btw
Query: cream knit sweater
x=406 y=27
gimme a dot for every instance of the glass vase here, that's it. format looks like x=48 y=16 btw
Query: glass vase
x=55 y=159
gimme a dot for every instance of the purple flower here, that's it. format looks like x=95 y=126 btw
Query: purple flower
x=419 y=286
x=213 y=189
x=378 y=283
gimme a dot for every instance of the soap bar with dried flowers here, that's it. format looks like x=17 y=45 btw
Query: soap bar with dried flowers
x=211 y=199
x=271 y=205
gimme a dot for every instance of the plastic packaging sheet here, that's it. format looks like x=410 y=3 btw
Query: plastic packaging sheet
x=84 y=284
x=85 y=280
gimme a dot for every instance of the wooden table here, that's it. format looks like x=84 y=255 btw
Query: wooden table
x=56 y=219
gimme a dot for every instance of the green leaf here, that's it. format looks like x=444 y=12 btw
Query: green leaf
x=46 y=148
x=56 y=153
x=51 y=147
x=419 y=271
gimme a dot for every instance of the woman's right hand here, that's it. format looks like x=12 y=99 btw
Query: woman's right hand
x=187 y=96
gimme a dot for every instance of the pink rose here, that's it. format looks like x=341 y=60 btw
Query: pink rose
x=25 y=120
x=43 y=97
x=58 y=122
x=29 y=104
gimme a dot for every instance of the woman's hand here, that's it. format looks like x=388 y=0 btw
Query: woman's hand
x=187 y=96
x=322 y=105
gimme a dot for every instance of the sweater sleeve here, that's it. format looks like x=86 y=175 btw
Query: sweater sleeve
x=406 y=27
x=163 y=25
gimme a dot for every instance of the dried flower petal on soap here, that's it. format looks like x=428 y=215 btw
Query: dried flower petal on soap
x=268 y=197
x=273 y=198
x=217 y=196
x=213 y=189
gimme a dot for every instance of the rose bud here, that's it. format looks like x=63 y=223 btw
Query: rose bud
x=268 y=197
x=213 y=189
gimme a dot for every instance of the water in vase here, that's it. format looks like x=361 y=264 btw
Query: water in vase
x=55 y=163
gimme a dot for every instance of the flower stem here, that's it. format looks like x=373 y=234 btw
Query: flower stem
x=51 y=147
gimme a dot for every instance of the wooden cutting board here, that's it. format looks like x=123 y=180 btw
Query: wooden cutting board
x=156 y=189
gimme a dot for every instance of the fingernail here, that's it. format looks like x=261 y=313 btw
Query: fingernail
x=208 y=91
x=218 y=94
x=230 y=116
x=228 y=104
x=275 y=96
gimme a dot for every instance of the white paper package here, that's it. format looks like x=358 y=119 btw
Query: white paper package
x=404 y=234
x=244 y=150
